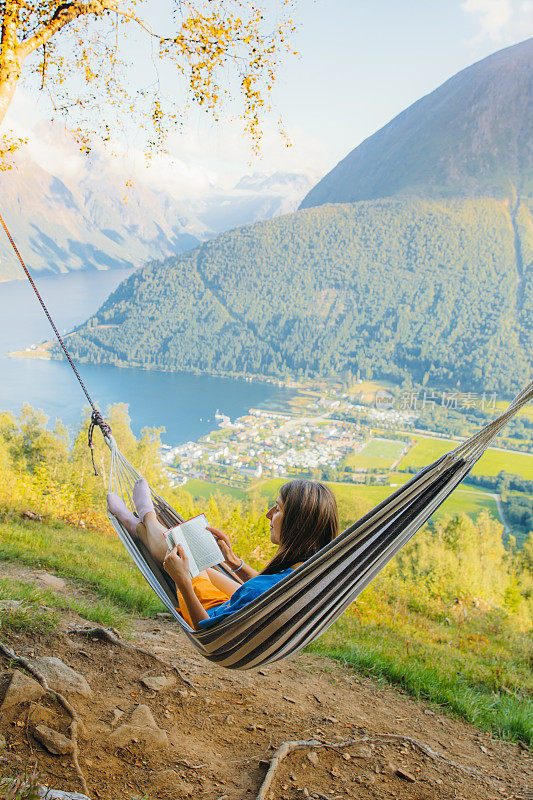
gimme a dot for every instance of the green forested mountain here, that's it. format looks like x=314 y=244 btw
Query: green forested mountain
x=470 y=137
x=433 y=289
x=413 y=257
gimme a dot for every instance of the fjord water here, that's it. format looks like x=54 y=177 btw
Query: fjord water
x=182 y=403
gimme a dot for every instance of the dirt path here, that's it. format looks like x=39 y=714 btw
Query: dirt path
x=223 y=729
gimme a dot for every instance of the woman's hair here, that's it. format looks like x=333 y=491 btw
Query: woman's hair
x=310 y=520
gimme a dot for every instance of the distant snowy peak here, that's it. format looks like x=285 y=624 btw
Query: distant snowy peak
x=276 y=182
x=255 y=197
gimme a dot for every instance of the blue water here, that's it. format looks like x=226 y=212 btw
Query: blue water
x=183 y=404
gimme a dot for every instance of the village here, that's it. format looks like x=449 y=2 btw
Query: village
x=315 y=437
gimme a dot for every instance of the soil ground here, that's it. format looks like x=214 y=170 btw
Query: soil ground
x=224 y=729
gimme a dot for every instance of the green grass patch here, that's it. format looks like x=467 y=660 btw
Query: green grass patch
x=103 y=611
x=26 y=617
x=477 y=668
x=205 y=489
x=95 y=559
x=377 y=453
x=427 y=450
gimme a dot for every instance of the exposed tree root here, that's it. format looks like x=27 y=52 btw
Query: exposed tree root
x=290 y=747
x=62 y=700
x=108 y=636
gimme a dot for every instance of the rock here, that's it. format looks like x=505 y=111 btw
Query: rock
x=117 y=714
x=142 y=717
x=125 y=735
x=164 y=615
x=53 y=741
x=362 y=752
x=157 y=683
x=333 y=720
x=17 y=688
x=3 y=742
x=62 y=678
x=313 y=757
x=402 y=773
x=51 y=794
x=289 y=699
x=51 y=581
x=142 y=728
x=57 y=794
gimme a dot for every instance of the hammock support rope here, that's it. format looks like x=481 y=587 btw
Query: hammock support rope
x=305 y=603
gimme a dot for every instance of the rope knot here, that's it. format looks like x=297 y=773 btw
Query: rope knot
x=96 y=421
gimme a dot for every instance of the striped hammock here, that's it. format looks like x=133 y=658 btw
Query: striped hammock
x=305 y=603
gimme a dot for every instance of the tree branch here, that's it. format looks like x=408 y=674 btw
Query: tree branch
x=63 y=15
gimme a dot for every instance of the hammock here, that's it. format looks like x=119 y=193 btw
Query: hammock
x=305 y=603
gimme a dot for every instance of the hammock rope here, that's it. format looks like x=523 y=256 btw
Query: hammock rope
x=96 y=418
x=305 y=603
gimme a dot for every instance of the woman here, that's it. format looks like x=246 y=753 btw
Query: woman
x=303 y=519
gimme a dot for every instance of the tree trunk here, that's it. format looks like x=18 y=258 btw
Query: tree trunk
x=10 y=65
x=7 y=90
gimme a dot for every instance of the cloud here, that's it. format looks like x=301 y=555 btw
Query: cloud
x=204 y=158
x=501 y=21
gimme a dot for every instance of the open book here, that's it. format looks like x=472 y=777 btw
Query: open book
x=198 y=543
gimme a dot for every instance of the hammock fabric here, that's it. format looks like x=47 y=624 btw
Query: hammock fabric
x=305 y=603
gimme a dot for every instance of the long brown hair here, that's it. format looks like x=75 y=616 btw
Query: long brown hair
x=310 y=520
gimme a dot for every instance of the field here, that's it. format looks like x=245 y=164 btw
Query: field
x=375 y=454
x=462 y=500
x=427 y=450
x=205 y=489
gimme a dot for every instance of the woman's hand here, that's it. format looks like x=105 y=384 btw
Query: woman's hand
x=224 y=543
x=176 y=564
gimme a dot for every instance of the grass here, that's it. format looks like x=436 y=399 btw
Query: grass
x=427 y=450
x=103 y=611
x=477 y=668
x=375 y=454
x=205 y=489
x=96 y=560
x=467 y=501
x=28 y=618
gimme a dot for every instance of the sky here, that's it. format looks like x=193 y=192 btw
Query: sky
x=359 y=63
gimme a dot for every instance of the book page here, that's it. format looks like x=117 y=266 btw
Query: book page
x=201 y=542
x=173 y=537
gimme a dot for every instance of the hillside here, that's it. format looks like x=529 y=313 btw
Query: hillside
x=423 y=678
x=147 y=730
x=435 y=290
x=469 y=137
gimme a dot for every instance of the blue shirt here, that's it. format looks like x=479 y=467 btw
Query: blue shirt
x=249 y=591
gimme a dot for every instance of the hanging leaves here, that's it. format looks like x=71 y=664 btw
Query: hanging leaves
x=89 y=59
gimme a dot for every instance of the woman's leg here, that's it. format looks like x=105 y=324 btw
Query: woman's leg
x=222 y=582
x=152 y=534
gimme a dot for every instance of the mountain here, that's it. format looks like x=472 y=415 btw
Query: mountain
x=435 y=289
x=88 y=218
x=393 y=287
x=253 y=198
x=470 y=137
